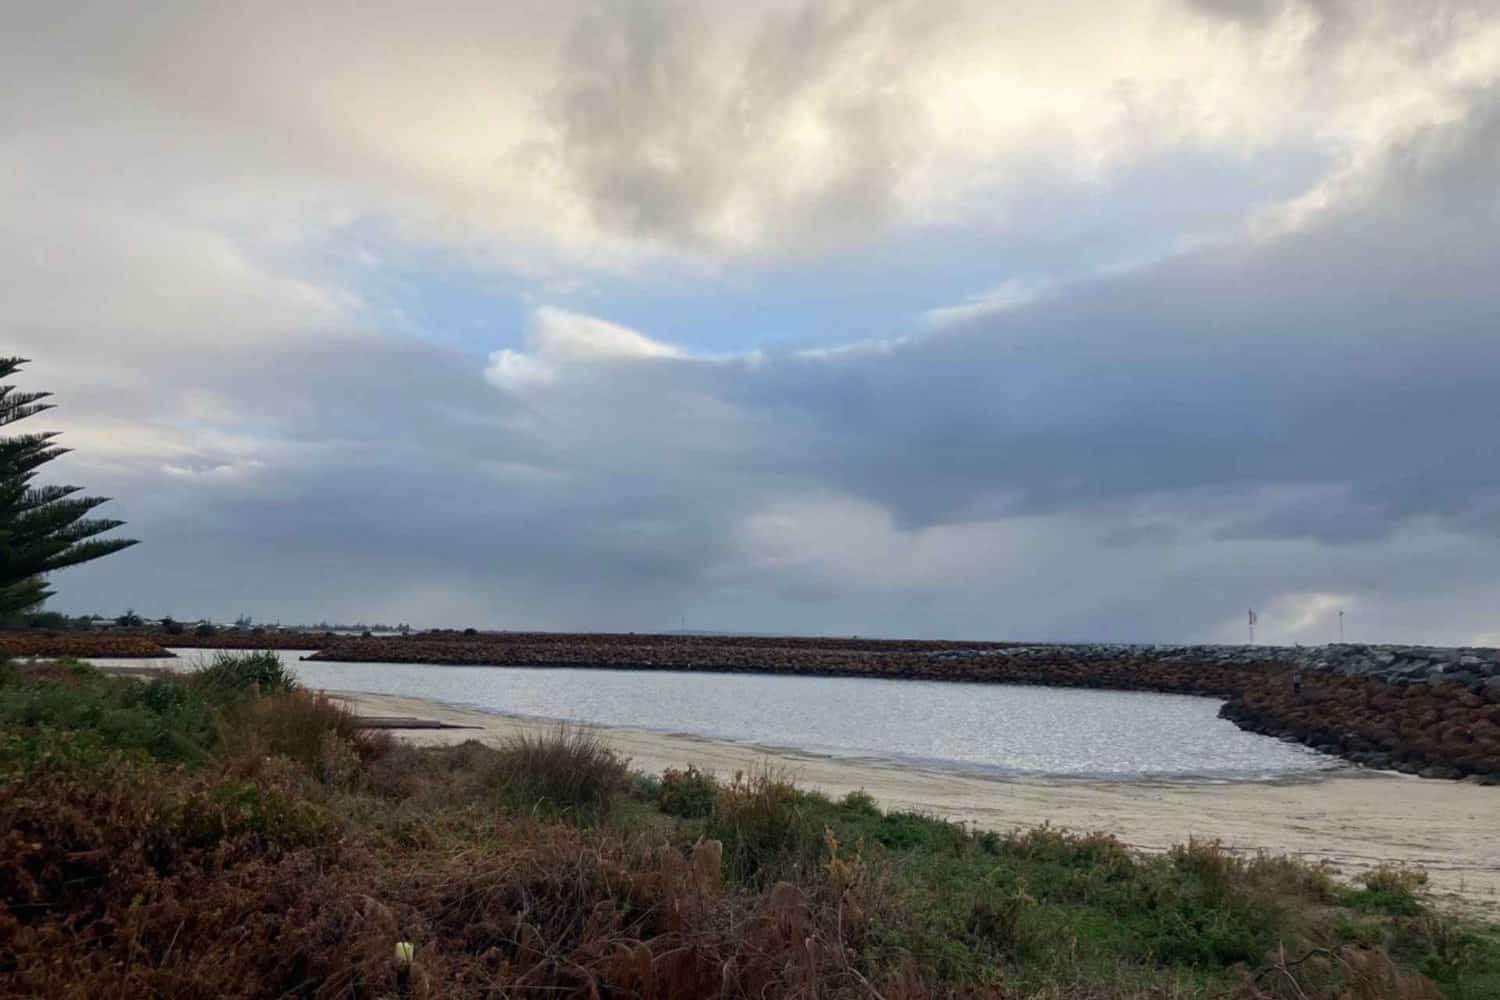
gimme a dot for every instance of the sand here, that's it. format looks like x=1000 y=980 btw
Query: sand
x=1352 y=819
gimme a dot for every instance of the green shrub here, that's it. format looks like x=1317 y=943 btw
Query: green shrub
x=690 y=794
x=1216 y=871
x=998 y=920
x=765 y=831
x=1390 y=889
x=160 y=717
x=244 y=673
x=231 y=809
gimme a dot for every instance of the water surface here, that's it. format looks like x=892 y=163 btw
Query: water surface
x=999 y=729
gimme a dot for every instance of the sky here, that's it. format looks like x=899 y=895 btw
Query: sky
x=1043 y=320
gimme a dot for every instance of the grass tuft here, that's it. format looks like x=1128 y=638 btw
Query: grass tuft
x=569 y=769
x=688 y=794
x=245 y=673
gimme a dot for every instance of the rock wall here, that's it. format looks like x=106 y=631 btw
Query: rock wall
x=243 y=639
x=1431 y=711
x=77 y=644
x=1435 y=713
x=1423 y=710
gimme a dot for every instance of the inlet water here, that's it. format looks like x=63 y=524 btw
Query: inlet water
x=999 y=729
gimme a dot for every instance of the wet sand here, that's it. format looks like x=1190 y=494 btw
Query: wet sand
x=1350 y=818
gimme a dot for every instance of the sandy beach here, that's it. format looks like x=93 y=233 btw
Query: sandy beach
x=1351 y=819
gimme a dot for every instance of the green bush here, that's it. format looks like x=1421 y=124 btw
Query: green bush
x=231 y=809
x=1390 y=889
x=690 y=794
x=766 y=832
x=245 y=673
x=998 y=920
x=160 y=717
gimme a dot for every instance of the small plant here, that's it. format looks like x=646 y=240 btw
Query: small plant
x=1216 y=870
x=759 y=819
x=304 y=726
x=247 y=673
x=569 y=768
x=690 y=794
x=1394 y=879
x=1390 y=889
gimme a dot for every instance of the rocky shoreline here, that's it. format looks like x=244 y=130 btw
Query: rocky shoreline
x=79 y=644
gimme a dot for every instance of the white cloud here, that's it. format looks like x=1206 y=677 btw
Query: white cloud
x=563 y=336
x=563 y=137
x=560 y=338
x=1007 y=295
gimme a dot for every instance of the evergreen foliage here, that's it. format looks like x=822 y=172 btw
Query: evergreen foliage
x=42 y=528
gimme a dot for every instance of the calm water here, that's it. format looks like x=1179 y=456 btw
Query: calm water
x=999 y=729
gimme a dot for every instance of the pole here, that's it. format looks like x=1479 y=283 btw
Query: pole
x=1341 y=626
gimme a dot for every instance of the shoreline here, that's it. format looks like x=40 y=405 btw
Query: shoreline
x=1354 y=820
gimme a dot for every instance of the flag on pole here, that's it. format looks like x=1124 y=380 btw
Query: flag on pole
x=1253 y=619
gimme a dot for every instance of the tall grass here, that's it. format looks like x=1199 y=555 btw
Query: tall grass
x=766 y=834
x=568 y=769
x=306 y=727
x=245 y=673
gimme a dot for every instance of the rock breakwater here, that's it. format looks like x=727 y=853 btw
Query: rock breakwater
x=1424 y=710
x=78 y=644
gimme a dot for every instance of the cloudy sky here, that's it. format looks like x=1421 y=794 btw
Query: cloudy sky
x=1046 y=319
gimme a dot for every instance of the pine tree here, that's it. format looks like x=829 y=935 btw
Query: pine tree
x=42 y=528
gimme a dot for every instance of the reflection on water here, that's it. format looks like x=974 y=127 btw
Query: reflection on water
x=1001 y=729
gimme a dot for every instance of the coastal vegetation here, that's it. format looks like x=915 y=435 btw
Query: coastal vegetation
x=226 y=832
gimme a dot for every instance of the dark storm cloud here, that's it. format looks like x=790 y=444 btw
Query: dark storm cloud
x=1360 y=352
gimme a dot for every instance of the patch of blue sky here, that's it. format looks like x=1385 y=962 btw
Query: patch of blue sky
x=886 y=286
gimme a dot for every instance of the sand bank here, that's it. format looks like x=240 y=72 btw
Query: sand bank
x=1351 y=819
